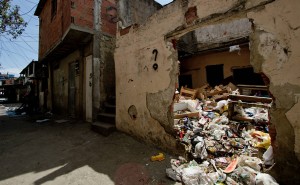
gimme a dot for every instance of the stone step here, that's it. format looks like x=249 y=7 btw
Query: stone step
x=107 y=118
x=111 y=100
x=104 y=129
x=110 y=108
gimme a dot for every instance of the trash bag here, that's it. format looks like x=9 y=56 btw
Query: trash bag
x=191 y=175
x=268 y=156
x=171 y=174
x=200 y=150
x=265 y=179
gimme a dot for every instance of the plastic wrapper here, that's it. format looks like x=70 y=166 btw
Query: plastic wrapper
x=263 y=139
x=200 y=150
x=222 y=106
x=253 y=162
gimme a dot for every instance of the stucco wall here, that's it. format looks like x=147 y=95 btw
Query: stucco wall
x=139 y=85
x=274 y=51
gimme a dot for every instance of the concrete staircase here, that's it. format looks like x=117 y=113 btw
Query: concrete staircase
x=106 y=121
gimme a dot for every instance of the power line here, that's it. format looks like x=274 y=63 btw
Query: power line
x=12 y=56
x=32 y=50
x=14 y=53
x=28 y=45
x=30 y=2
x=19 y=41
x=29 y=36
x=29 y=10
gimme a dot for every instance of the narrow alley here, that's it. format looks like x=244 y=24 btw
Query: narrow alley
x=70 y=153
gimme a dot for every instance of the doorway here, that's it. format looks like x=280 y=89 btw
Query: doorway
x=214 y=74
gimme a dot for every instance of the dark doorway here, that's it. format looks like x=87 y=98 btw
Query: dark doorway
x=71 y=90
x=186 y=81
x=247 y=76
x=214 y=74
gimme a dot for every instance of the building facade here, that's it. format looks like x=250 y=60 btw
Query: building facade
x=76 y=42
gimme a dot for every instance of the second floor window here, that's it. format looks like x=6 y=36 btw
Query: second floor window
x=53 y=8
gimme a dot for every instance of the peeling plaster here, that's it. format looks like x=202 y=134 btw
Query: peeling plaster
x=156 y=103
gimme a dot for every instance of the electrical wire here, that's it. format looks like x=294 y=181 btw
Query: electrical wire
x=31 y=2
x=29 y=10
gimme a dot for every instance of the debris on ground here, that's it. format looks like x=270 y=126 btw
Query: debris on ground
x=226 y=137
x=42 y=120
x=159 y=157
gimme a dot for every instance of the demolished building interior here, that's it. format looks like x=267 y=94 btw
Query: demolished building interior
x=217 y=75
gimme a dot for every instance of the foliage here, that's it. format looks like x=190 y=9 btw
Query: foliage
x=11 y=22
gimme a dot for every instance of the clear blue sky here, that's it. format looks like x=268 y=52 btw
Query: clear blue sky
x=15 y=54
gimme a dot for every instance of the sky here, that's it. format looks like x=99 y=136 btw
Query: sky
x=16 y=54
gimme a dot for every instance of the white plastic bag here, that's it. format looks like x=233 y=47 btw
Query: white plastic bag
x=200 y=150
x=268 y=156
x=265 y=179
x=191 y=175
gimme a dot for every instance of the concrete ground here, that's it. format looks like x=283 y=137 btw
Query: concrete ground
x=70 y=153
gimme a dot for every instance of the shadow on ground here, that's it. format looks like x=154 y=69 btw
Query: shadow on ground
x=70 y=153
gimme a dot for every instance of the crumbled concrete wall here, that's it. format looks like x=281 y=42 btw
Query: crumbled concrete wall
x=139 y=85
x=274 y=51
x=223 y=32
x=276 y=44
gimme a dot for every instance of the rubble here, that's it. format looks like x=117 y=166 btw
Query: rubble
x=227 y=141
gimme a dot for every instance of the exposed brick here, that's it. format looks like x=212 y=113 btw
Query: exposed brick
x=125 y=30
x=191 y=15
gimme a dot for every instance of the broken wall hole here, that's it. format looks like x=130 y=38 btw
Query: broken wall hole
x=223 y=103
x=132 y=112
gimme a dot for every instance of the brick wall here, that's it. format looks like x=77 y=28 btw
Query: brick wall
x=109 y=17
x=53 y=28
x=82 y=12
x=50 y=27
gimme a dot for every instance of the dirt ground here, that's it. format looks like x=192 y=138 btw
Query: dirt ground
x=70 y=153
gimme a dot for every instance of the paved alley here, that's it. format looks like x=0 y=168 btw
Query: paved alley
x=70 y=153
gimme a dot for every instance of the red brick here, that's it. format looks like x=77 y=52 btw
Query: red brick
x=191 y=15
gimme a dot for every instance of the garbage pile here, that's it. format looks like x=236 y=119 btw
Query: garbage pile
x=221 y=151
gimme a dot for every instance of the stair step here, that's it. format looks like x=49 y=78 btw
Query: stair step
x=104 y=129
x=111 y=100
x=110 y=108
x=107 y=118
